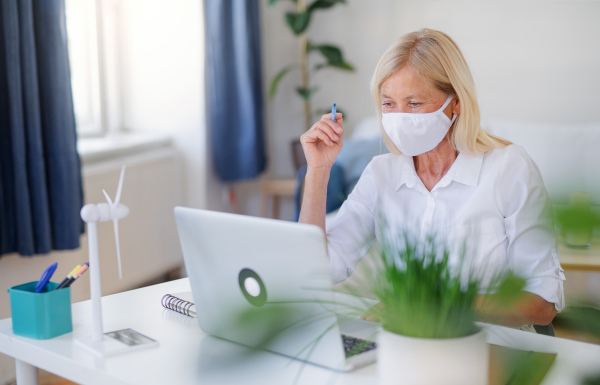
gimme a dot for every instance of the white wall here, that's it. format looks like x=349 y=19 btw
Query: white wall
x=535 y=60
x=161 y=66
x=532 y=60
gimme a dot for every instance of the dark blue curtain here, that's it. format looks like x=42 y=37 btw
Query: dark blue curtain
x=40 y=172
x=234 y=88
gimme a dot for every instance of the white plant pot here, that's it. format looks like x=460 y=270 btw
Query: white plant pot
x=430 y=361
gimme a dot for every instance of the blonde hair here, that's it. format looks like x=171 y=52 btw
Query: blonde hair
x=436 y=57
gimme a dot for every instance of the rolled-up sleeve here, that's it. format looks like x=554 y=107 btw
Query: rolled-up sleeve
x=532 y=246
x=351 y=233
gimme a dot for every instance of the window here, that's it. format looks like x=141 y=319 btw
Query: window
x=92 y=59
x=83 y=55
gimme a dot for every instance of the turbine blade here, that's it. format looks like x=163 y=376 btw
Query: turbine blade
x=107 y=198
x=118 y=196
x=116 y=226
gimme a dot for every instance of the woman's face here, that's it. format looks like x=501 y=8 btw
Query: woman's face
x=407 y=91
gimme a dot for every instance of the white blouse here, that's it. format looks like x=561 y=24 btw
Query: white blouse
x=496 y=202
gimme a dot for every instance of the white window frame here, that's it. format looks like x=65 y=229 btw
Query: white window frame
x=94 y=71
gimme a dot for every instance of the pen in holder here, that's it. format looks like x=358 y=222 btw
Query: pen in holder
x=40 y=315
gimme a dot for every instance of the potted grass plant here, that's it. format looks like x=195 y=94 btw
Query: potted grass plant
x=428 y=315
x=427 y=309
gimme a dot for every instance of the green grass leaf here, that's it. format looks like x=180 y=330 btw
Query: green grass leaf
x=422 y=294
x=276 y=80
x=509 y=289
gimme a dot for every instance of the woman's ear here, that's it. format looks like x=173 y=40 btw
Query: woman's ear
x=456 y=109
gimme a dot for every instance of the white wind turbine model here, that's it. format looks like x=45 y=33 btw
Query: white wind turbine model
x=122 y=340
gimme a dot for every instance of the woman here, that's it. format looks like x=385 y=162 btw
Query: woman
x=445 y=175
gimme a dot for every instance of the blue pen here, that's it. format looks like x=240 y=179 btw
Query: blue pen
x=333 y=110
x=45 y=278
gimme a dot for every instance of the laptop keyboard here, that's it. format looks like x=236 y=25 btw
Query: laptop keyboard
x=354 y=346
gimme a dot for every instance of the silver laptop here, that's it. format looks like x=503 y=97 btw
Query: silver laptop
x=265 y=283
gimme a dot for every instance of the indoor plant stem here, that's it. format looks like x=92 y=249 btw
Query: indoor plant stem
x=304 y=68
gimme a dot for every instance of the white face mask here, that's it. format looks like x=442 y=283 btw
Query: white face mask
x=415 y=134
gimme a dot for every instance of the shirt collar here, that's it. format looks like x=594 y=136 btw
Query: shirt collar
x=465 y=169
x=406 y=172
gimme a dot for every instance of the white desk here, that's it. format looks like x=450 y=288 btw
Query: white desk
x=187 y=356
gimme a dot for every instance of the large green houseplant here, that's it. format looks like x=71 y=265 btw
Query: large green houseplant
x=324 y=55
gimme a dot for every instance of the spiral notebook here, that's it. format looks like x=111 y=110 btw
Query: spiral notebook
x=181 y=303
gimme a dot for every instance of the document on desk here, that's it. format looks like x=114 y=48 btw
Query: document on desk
x=132 y=338
x=510 y=366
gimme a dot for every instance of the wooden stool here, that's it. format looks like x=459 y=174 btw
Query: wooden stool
x=274 y=189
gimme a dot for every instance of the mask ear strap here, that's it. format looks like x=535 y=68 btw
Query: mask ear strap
x=446 y=104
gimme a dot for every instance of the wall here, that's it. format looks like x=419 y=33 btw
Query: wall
x=161 y=67
x=531 y=60
x=535 y=60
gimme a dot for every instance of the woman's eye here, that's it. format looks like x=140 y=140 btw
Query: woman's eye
x=415 y=105
x=387 y=104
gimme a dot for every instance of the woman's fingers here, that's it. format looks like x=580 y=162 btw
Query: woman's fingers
x=315 y=135
x=324 y=138
x=322 y=131
x=338 y=125
x=327 y=129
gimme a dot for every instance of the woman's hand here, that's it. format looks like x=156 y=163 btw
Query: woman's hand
x=323 y=141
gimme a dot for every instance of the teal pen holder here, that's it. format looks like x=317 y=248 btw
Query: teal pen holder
x=40 y=315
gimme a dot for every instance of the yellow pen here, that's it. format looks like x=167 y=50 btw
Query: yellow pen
x=64 y=281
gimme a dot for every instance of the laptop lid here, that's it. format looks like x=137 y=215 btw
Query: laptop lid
x=262 y=283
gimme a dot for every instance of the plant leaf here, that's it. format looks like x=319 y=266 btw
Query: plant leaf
x=343 y=66
x=306 y=93
x=273 y=2
x=580 y=318
x=509 y=290
x=309 y=46
x=333 y=55
x=324 y=4
x=298 y=22
x=276 y=80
